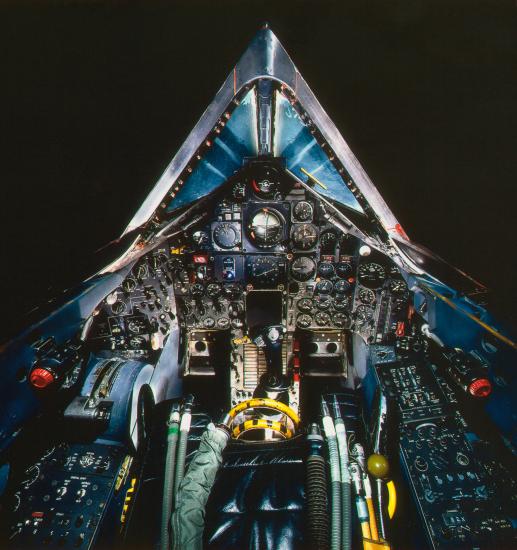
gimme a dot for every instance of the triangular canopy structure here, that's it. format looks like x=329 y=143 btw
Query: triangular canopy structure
x=265 y=108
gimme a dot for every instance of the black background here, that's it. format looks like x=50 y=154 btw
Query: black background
x=96 y=97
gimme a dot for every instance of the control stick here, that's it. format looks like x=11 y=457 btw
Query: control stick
x=273 y=383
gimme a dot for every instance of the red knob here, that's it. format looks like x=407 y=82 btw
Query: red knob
x=41 y=378
x=482 y=387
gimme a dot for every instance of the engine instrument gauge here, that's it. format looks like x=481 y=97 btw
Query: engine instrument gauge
x=305 y=236
x=371 y=275
x=197 y=289
x=137 y=342
x=142 y=271
x=323 y=301
x=239 y=191
x=213 y=290
x=263 y=270
x=266 y=228
x=344 y=269
x=364 y=313
x=328 y=241
x=200 y=238
x=226 y=235
x=232 y=290
x=223 y=322
x=342 y=287
x=129 y=285
x=341 y=320
x=118 y=307
x=367 y=296
x=208 y=322
x=322 y=318
x=341 y=303
x=398 y=286
x=303 y=321
x=305 y=304
x=303 y=268
x=324 y=287
x=302 y=211
x=326 y=269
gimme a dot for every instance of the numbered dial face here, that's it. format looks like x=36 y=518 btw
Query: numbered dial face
x=323 y=301
x=341 y=303
x=266 y=228
x=398 y=287
x=197 y=289
x=328 y=241
x=322 y=319
x=142 y=271
x=326 y=269
x=305 y=236
x=371 y=275
x=324 y=287
x=303 y=268
x=200 y=238
x=129 y=285
x=239 y=191
x=364 y=313
x=263 y=270
x=342 y=286
x=344 y=269
x=118 y=307
x=226 y=235
x=303 y=320
x=305 y=304
x=366 y=296
x=213 y=290
x=303 y=211
x=341 y=320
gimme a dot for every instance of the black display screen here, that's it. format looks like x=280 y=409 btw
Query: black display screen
x=263 y=308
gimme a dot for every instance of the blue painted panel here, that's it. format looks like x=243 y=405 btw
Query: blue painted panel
x=294 y=142
x=237 y=140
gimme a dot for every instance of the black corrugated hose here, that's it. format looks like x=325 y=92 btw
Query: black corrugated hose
x=316 y=491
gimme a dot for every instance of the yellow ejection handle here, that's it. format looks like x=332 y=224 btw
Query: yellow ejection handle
x=262 y=402
x=392 y=499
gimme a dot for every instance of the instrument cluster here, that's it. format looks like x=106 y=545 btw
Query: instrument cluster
x=135 y=319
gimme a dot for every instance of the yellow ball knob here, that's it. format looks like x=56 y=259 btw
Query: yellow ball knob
x=378 y=466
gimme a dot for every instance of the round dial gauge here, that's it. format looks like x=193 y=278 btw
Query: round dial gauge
x=200 y=238
x=342 y=286
x=303 y=268
x=266 y=227
x=223 y=322
x=213 y=290
x=239 y=191
x=324 y=287
x=323 y=302
x=341 y=303
x=344 y=269
x=322 y=318
x=305 y=304
x=266 y=184
x=263 y=270
x=129 y=285
x=371 y=275
x=303 y=320
x=341 y=320
x=303 y=211
x=226 y=235
x=142 y=271
x=197 y=289
x=328 y=240
x=305 y=236
x=134 y=327
x=118 y=307
x=232 y=290
x=137 y=342
x=326 y=269
x=208 y=322
x=398 y=286
x=367 y=296
x=364 y=313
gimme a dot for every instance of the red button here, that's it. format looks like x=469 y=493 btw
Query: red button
x=41 y=378
x=481 y=387
x=200 y=259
